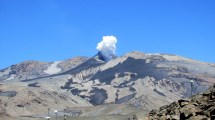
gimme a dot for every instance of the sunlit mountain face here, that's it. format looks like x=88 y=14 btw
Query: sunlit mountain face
x=122 y=85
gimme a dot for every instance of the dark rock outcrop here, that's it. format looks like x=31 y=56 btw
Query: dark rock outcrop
x=199 y=107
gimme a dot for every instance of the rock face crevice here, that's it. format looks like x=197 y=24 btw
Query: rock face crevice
x=199 y=107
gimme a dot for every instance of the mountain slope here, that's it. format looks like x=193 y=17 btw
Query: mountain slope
x=35 y=69
x=144 y=81
x=135 y=70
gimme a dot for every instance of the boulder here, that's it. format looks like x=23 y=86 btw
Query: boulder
x=199 y=107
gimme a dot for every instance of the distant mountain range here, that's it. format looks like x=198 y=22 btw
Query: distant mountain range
x=142 y=81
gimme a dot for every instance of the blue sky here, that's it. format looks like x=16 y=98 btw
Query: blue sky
x=49 y=30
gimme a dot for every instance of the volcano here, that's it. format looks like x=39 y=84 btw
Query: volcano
x=96 y=86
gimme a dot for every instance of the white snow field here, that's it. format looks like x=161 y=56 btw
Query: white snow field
x=53 y=68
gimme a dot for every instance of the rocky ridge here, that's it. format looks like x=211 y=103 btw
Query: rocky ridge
x=199 y=107
x=35 y=69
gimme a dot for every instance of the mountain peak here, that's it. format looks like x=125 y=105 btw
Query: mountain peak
x=102 y=57
x=136 y=78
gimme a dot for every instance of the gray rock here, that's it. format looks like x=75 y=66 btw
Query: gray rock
x=189 y=109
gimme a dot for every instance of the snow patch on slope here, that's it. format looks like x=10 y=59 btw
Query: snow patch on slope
x=11 y=77
x=53 y=68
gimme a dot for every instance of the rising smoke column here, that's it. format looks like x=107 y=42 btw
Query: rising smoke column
x=107 y=47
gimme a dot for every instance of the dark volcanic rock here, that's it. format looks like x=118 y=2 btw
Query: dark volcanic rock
x=200 y=107
x=8 y=93
x=138 y=66
x=125 y=99
x=99 y=96
x=160 y=93
x=100 y=56
x=34 y=84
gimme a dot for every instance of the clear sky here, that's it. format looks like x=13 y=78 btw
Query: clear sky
x=49 y=30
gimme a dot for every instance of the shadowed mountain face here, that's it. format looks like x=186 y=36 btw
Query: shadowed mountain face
x=138 y=67
x=100 y=56
x=144 y=81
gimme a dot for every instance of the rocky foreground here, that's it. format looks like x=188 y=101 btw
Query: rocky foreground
x=199 y=107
